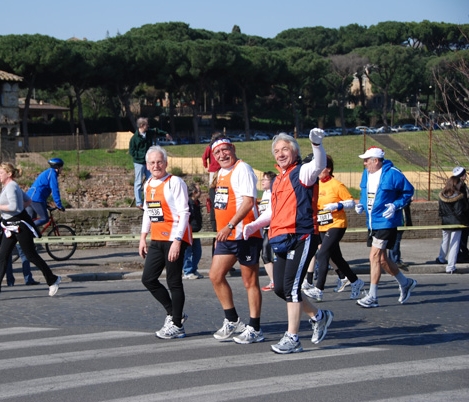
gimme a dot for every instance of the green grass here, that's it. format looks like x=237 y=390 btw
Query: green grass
x=258 y=154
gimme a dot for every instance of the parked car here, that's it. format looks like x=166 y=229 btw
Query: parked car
x=163 y=141
x=260 y=137
x=330 y=132
x=410 y=127
x=204 y=140
x=235 y=138
x=354 y=131
x=365 y=129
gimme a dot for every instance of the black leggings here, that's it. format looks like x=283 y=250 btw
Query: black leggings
x=290 y=269
x=330 y=249
x=26 y=240
x=155 y=261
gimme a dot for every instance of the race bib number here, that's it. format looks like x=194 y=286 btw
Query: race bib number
x=370 y=201
x=221 y=198
x=325 y=218
x=155 y=211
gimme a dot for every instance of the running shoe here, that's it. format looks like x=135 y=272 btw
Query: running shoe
x=249 y=335
x=357 y=287
x=320 y=327
x=306 y=285
x=405 y=290
x=368 y=301
x=170 y=331
x=287 y=345
x=55 y=287
x=229 y=328
x=341 y=284
x=314 y=293
x=169 y=319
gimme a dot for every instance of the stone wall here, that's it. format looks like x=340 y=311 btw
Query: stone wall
x=118 y=221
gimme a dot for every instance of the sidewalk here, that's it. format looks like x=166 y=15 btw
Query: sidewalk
x=116 y=263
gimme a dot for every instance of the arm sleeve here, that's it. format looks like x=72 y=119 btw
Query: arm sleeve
x=309 y=172
x=54 y=186
x=179 y=190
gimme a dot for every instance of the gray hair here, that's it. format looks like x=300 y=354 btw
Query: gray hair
x=141 y=121
x=290 y=140
x=156 y=148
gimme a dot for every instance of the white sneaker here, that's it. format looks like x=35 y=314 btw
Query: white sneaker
x=306 y=285
x=229 y=328
x=55 y=287
x=314 y=293
x=249 y=335
x=341 y=284
x=320 y=327
x=170 y=331
x=357 y=287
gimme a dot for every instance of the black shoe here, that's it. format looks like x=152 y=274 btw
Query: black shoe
x=32 y=282
x=440 y=262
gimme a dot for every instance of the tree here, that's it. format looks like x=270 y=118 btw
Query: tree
x=36 y=58
x=342 y=69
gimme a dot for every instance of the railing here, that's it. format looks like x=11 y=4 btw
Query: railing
x=201 y=235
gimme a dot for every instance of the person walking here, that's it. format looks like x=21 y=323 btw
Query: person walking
x=453 y=209
x=193 y=253
x=384 y=191
x=166 y=218
x=333 y=199
x=139 y=144
x=235 y=207
x=463 y=254
x=291 y=217
x=19 y=227
x=267 y=254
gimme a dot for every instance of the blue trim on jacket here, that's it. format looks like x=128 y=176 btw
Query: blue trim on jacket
x=393 y=188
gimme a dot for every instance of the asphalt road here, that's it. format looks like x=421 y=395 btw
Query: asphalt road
x=95 y=341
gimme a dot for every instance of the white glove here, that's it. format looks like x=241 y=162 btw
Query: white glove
x=248 y=230
x=316 y=135
x=359 y=208
x=389 y=213
x=331 y=207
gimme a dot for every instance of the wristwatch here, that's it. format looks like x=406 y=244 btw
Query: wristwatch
x=231 y=226
x=177 y=238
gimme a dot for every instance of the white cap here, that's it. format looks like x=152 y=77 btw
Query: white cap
x=373 y=152
x=459 y=171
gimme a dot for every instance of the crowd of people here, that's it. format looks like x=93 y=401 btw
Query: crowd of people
x=295 y=227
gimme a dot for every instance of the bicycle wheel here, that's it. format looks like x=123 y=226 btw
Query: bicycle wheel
x=61 y=251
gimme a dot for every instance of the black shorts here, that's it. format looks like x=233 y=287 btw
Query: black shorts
x=246 y=251
x=384 y=239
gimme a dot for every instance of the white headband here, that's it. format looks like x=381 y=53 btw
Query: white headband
x=219 y=142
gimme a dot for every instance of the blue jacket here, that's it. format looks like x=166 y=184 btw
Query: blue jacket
x=45 y=184
x=393 y=188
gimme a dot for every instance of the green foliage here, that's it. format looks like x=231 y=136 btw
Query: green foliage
x=177 y=171
x=84 y=175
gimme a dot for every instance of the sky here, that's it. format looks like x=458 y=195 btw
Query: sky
x=97 y=19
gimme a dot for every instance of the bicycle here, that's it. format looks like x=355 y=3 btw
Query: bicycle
x=57 y=251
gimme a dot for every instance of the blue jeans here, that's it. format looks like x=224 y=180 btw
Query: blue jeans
x=192 y=256
x=28 y=276
x=141 y=171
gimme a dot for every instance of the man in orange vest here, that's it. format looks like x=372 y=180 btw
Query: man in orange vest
x=166 y=218
x=235 y=206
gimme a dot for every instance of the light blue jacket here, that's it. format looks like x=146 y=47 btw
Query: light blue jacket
x=393 y=188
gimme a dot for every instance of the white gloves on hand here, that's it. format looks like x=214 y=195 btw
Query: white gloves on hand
x=316 y=135
x=389 y=213
x=248 y=230
x=359 y=208
x=331 y=207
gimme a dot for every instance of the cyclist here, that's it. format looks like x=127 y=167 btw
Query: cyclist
x=45 y=184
